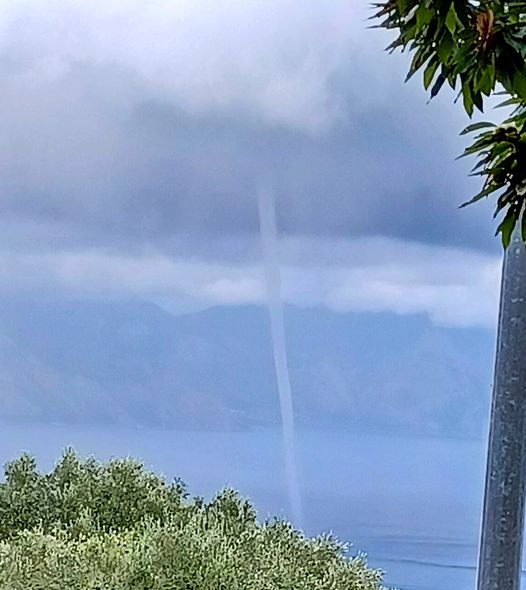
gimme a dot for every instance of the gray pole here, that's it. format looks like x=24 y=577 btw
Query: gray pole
x=503 y=514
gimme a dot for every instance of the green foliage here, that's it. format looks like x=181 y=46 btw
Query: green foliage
x=112 y=496
x=474 y=45
x=502 y=164
x=471 y=44
x=114 y=526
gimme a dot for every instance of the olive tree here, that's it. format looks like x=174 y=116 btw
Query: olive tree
x=478 y=48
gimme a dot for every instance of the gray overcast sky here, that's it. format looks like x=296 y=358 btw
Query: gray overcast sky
x=134 y=135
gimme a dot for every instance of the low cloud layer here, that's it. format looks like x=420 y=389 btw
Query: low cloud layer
x=453 y=287
x=134 y=136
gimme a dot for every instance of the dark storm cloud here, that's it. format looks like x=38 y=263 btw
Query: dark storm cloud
x=134 y=138
x=161 y=172
x=93 y=155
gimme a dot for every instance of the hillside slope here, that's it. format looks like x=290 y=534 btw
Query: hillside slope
x=135 y=363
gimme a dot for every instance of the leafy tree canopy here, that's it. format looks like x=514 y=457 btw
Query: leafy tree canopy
x=115 y=526
x=478 y=48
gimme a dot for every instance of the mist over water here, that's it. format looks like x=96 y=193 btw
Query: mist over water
x=269 y=239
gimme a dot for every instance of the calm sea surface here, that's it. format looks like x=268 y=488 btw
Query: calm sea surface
x=412 y=504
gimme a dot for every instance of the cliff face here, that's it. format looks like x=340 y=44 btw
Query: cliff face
x=135 y=363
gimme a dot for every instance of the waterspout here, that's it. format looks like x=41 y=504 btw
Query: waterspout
x=269 y=238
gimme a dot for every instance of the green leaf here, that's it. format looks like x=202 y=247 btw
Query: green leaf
x=468 y=104
x=477 y=100
x=430 y=72
x=504 y=201
x=483 y=141
x=423 y=16
x=507 y=103
x=445 y=48
x=416 y=63
x=507 y=226
x=451 y=19
x=438 y=85
x=482 y=162
x=483 y=193
x=519 y=84
x=476 y=127
x=517 y=44
x=486 y=81
x=467 y=99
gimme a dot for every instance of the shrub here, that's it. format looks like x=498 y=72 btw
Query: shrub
x=114 y=526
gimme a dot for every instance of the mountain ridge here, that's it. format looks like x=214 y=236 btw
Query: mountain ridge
x=135 y=363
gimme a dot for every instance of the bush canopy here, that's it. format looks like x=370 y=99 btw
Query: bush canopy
x=114 y=526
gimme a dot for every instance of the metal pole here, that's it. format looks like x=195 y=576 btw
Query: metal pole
x=500 y=553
